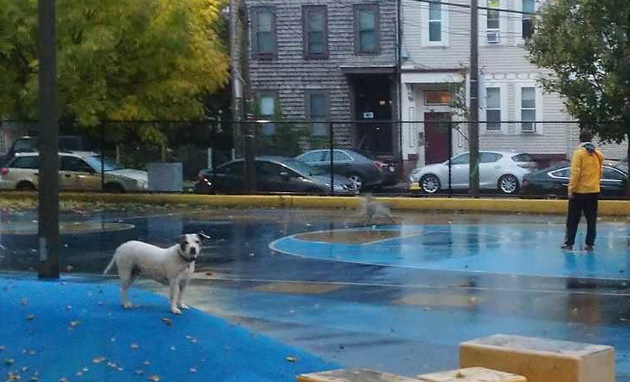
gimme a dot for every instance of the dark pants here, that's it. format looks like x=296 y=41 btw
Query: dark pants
x=579 y=203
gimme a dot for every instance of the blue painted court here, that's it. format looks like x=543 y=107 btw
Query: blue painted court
x=72 y=331
x=509 y=249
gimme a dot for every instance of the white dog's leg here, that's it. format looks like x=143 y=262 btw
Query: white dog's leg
x=125 y=284
x=182 y=287
x=174 y=296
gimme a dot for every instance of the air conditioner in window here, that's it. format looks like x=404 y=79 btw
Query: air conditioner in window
x=494 y=37
x=528 y=127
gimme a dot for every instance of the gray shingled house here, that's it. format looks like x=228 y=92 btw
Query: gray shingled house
x=326 y=60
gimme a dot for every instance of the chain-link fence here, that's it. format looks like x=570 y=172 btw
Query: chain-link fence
x=429 y=157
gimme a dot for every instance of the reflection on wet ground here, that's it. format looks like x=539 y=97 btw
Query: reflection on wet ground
x=394 y=298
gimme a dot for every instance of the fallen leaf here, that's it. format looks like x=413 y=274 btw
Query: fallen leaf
x=30 y=317
x=74 y=324
x=193 y=370
x=154 y=378
x=139 y=372
x=291 y=359
x=167 y=321
x=99 y=360
x=134 y=346
x=9 y=361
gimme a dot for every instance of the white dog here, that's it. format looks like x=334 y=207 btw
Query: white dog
x=172 y=266
x=371 y=209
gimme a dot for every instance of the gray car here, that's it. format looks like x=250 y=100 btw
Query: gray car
x=78 y=171
x=363 y=171
x=273 y=175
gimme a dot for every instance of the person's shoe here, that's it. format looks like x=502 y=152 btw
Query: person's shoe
x=566 y=247
x=589 y=248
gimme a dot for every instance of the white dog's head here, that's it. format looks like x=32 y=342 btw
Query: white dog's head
x=190 y=245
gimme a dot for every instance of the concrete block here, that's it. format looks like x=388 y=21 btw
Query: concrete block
x=540 y=360
x=353 y=375
x=472 y=374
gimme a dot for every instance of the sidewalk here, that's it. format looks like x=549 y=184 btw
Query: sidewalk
x=66 y=331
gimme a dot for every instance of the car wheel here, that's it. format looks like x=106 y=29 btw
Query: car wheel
x=113 y=188
x=430 y=184
x=25 y=186
x=508 y=184
x=357 y=180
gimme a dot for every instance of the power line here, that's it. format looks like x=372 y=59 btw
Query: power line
x=468 y=7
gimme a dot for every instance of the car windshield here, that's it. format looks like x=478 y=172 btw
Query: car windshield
x=303 y=168
x=108 y=163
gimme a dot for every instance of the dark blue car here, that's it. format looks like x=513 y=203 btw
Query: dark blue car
x=553 y=181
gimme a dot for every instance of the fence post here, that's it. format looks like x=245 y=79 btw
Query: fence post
x=250 y=166
x=450 y=155
x=210 y=157
x=332 y=175
x=102 y=149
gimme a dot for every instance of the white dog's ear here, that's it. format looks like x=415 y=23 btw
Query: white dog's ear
x=183 y=242
x=203 y=235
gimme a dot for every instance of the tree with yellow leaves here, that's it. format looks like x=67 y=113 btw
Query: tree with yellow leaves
x=131 y=60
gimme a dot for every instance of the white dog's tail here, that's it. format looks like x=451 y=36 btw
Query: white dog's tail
x=111 y=264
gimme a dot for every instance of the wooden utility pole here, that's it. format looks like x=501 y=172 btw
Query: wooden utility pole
x=235 y=55
x=48 y=210
x=473 y=127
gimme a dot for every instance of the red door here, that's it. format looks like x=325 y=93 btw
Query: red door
x=436 y=144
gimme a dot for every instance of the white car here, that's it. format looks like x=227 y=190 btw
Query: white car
x=78 y=171
x=498 y=170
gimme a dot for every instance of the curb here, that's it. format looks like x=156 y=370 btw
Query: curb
x=526 y=206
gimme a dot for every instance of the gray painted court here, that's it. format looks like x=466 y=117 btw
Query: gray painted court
x=396 y=298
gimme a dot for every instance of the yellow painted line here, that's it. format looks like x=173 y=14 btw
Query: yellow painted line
x=297 y=288
x=529 y=206
x=440 y=299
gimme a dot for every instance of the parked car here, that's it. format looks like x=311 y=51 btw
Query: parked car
x=28 y=144
x=362 y=170
x=553 y=181
x=498 y=170
x=78 y=171
x=273 y=174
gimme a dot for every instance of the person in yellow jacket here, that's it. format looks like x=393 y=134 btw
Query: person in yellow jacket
x=586 y=175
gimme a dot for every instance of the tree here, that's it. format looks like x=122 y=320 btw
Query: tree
x=117 y=60
x=586 y=46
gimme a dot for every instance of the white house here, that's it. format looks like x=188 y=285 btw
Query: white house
x=435 y=60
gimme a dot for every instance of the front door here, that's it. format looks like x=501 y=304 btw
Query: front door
x=436 y=135
x=373 y=111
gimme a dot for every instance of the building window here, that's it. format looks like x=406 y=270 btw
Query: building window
x=437 y=97
x=529 y=6
x=493 y=22
x=315 y=19
x=318 y=111
x=267 y=112
x=435 y=21
x=264 y=21
x=493 y=109
x=367 y=32
x=528 y=109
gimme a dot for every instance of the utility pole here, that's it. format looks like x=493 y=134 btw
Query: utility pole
x=48 y=210
x=235 y=54
x=473 y=127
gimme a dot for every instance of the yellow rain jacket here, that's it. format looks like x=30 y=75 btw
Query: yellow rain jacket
x=586 y=169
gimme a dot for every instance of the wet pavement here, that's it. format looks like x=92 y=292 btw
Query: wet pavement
x=397 y=298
